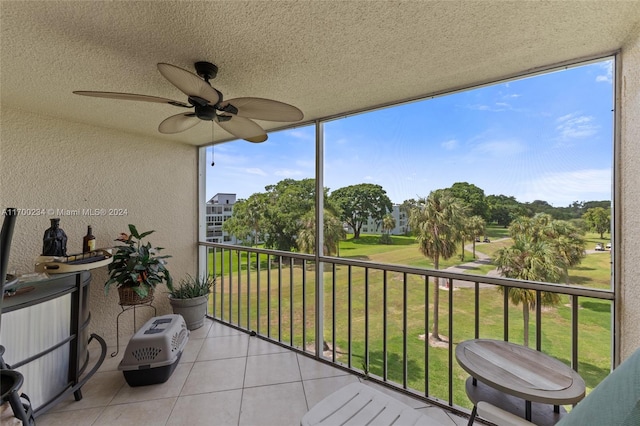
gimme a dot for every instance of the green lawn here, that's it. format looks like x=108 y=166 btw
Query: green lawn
x=594 y=315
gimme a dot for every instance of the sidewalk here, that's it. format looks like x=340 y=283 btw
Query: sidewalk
x=481 y=259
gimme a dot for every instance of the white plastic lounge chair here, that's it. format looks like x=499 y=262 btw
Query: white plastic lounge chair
x=359 y=404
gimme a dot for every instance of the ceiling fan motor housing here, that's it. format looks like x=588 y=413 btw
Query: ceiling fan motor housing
x=205 y=112
x=206 y=70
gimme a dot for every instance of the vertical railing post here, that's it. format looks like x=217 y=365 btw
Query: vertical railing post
x=384 y=326
x=291 y=264
x=231 y=286
x=333 y=313
x=249 y=291
x=239 y=263
x=258 y=317
x=450 y=341
x=279 y=298
x=538 y=320
x=222 y=284
x=366 y=318
x=574 y=332
x=268 y=295
x=214 y=261
x=505 y=310
x=426 y=335
x=349 y=307
x=476 y=300
x=304 y=305
x=405 y=358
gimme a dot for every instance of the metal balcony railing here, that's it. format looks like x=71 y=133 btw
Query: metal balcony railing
x=376 y=318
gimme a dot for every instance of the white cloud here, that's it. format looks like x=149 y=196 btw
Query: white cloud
x=575 y=126
x=255 y=171
x=478 y=107
x=449 y=145
x=607 y=77
x=287 y=173
x=499 y=148
x=301 y=134
x=562 y=188
x=496 y=107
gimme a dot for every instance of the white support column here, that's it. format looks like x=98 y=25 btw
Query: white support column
x=202 y=209
x=627 y=246
x=319 y=302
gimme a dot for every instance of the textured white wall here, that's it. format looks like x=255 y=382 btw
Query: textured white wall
x=630 y=197
x=51 y=164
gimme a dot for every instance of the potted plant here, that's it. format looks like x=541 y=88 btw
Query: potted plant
x=137 y=269
x=190 y=299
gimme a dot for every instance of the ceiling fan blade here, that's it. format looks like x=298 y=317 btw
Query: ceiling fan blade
x=131 y=97
x=243 y=128
x=264 y=109
x=178 y=123
x=189 y=83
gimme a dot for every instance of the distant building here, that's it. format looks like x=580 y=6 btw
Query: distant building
x=375 y=226
x=219 y=209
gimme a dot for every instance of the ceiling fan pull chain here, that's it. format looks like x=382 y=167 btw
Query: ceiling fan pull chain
x=213 y=163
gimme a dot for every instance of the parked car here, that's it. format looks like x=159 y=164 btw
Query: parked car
x=599 y=247
x=608 y=246
x=486 y=240
x=477 y=239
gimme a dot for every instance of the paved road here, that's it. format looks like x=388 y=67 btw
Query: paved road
x=481 y=259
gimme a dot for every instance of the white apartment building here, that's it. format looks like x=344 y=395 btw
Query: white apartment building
x=219 y=209
x=375 y=226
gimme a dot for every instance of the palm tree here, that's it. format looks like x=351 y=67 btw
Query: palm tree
x=527 y=259
x=476 y=226
x=333 y=233
x=437 y=221
x=388 y=223
x=544 y=249
x=569 y=243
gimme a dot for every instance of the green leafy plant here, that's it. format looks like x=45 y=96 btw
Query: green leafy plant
x=137 y=265
x=191 y=287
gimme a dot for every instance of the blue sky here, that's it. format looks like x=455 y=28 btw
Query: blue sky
x=547 y=137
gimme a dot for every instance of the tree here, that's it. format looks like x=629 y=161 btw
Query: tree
x=476 y=227
x=388 y=223
x=598 y=219
x=528 y=260
x=405 y=212
x=437 y=221
x=473 y=197
x=503 y=209
x=358 y=203
x=543 y=249
x=246 y=219
x=275 y=216
x=333 y=233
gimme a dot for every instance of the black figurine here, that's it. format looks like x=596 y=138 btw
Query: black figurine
x=54 y=242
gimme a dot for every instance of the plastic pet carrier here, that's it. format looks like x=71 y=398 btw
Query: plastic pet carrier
x=154 y=351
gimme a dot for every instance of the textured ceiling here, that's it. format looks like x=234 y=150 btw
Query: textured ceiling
x=325 y=57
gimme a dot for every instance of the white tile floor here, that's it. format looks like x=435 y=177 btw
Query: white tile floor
x=225 y=377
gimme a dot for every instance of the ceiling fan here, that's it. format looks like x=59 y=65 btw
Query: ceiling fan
x=235 y=115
